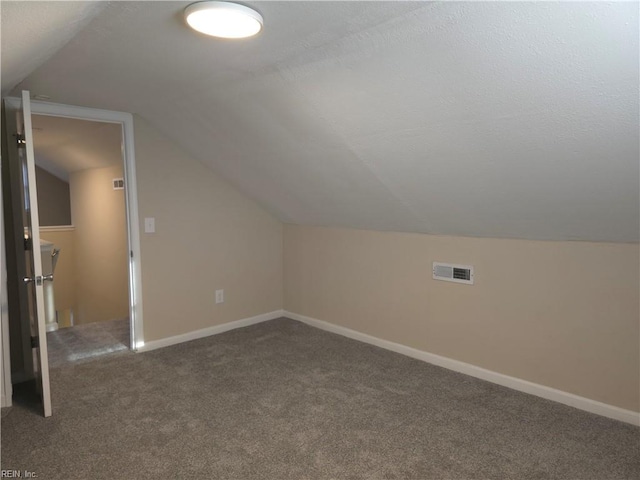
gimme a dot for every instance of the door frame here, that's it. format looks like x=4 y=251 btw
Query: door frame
x=125 y=120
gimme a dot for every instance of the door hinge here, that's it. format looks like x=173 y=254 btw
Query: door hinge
x=21 y=140
x=34 y=342
x=28 y=243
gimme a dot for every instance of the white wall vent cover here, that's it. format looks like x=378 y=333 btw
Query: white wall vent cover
x=453 y=273
x=118 y=183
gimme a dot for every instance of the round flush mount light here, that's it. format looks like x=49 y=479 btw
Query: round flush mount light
x=223 y=19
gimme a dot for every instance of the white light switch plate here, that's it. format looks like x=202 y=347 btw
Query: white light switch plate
x=219 y=296
x=149 y=225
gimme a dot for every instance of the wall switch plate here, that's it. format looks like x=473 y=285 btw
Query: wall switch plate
x=219 y=296
x=149 y=225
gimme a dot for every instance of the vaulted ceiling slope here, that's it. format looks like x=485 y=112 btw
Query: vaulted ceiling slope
x=496 y=119
x=35 y=31
x=66 y=145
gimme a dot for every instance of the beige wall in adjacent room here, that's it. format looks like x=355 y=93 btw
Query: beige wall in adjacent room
x=64 y=284
x=208 y=236
x=54 y=206
x=561 y=314
x=101 y=249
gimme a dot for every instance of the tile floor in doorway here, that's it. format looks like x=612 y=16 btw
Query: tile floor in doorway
x=84 y=342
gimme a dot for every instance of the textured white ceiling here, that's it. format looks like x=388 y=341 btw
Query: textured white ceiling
x=66 y=145
x=33 y=31
x=498 y=119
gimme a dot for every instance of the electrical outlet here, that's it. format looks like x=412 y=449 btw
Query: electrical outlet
x=219 y=296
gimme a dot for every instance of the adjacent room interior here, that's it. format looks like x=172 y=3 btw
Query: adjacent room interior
x=82 y=213
x=370 y=240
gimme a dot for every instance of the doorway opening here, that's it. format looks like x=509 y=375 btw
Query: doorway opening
x=26 y=328
x=83 y=236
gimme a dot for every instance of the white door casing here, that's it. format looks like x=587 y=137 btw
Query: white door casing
x=131 y=196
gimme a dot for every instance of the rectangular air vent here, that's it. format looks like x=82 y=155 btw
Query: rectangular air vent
x=118 y=183
x=453 y=273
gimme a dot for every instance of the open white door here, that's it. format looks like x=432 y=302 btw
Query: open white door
x=34 y=279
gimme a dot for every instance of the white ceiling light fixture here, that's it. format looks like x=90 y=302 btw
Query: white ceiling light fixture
x=223 y=19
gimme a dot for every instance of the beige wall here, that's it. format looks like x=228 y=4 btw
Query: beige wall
x=64 y=285
x=208 y=236
x=101 y=271
x=561 y=314
x=53 y=199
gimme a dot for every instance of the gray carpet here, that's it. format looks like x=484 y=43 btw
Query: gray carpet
x=281 y=400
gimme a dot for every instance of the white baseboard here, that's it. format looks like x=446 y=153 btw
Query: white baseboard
x=206 y=332
x=549 y=393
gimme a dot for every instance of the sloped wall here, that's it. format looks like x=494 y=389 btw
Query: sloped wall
x=561 y=314
x=208 y=237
